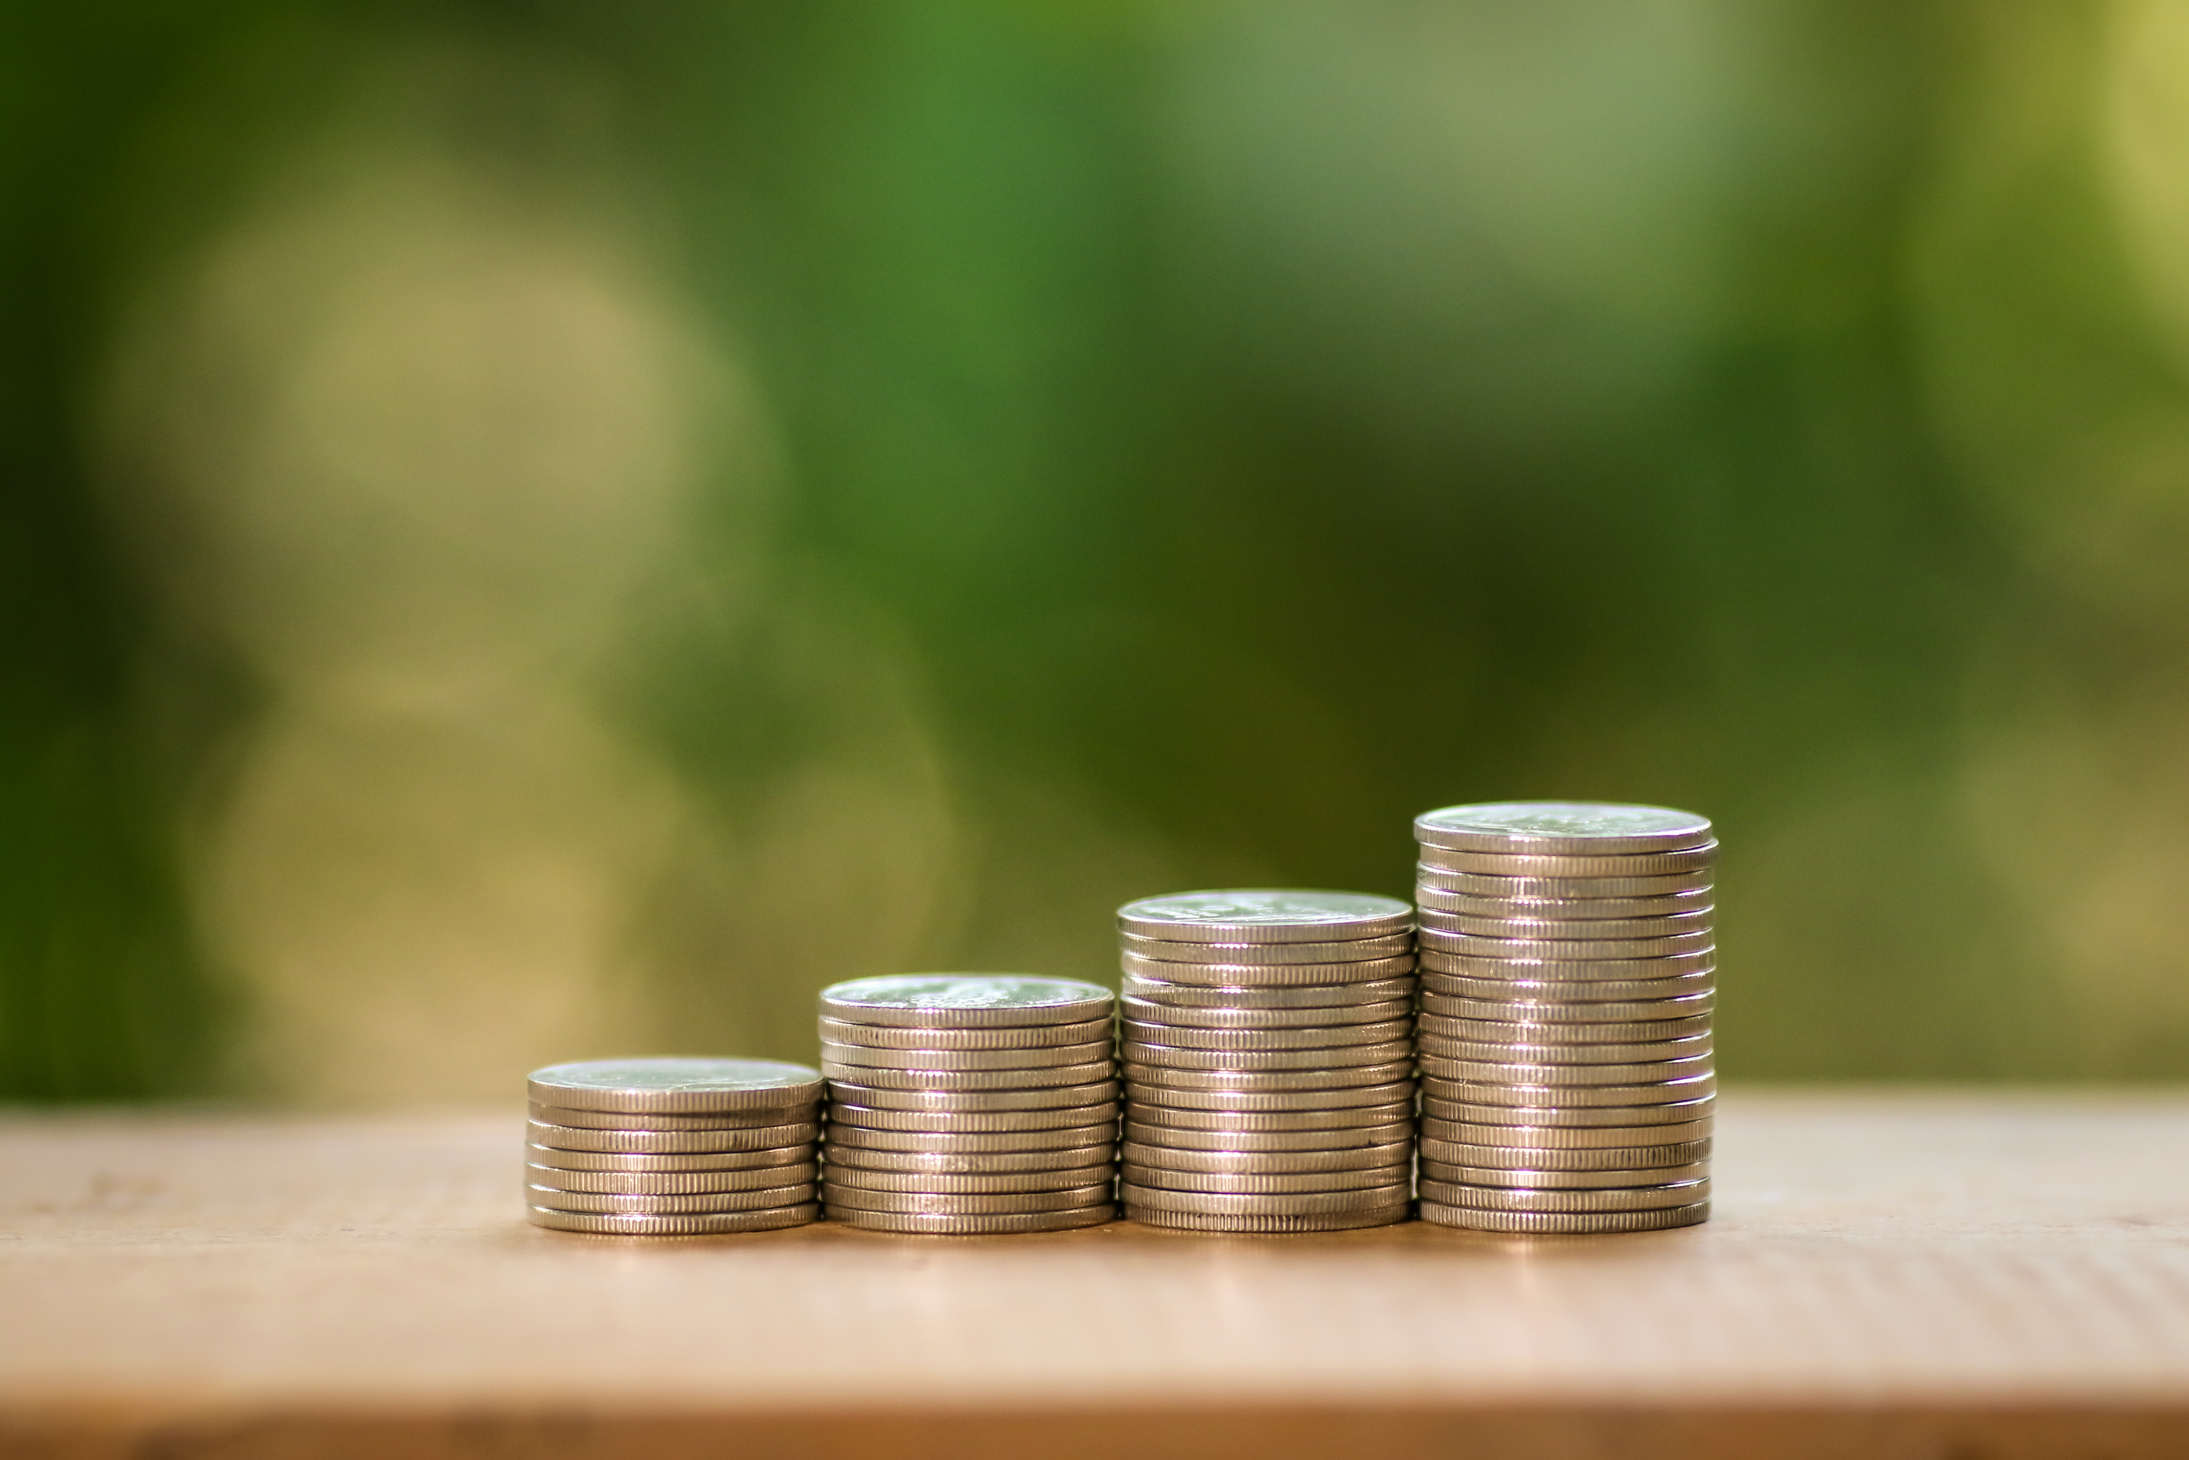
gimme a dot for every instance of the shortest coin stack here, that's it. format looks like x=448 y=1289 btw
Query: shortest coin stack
x=969 y=1104
x=673 y=1147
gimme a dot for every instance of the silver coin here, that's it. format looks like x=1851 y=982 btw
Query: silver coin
x=1328 y=1036
x=971 y=1163
x=1382 y=1216
x=1073 y=1117
x=637 y=1142
x=1624 y=865
x=837 y=1197
x=1517 y=991
x=925 y=1224
x=708 y=1225
x=1140 y=1013
x=1439 y=969
x=1060 y=1097
x=549 y=1199
x=669 y=1183
x=922 y=1060
x=1348 y=1122
x=1351 y=950
x=1563 y=827
x=944 y=1183
x=1013 y=1036
x=1566 y=1223
x=1145 y=1077
x=1561 y=909
x=1392 y=1155
x=1559 y=889
x=1571 y=930
x=1460 y=1156
x=643 y=1120
x=1546 y=1179
x=1348 y=1056
x=1479 y=1052
x=1048 y=1077
x=1238 y=1142
x=1582 y=1013
x=675 y=1086
x=1471 y=1112
x=1605 y=1199
x=1298 y=1183
x=844 y=1138
x=1470 y=1135
x=1525 y=1032
x=965 y=1000
x=688 y=1161
x=1267 y=975
x=1593 y=1077
x=1155 y=990
x=1568 y=950
x=1294 y=1204
x=1147 y=1098
x=1567 y=1097
x=1264 y=915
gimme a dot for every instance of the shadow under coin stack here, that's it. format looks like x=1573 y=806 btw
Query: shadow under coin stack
x=1268 y=1046
x=965 y=1104
x=673 y=1147
x=1568 y=970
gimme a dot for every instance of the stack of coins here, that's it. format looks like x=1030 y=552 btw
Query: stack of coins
x=1568 y=970
x=673 y=1147
x=964 y=1104
x=1268 y=1047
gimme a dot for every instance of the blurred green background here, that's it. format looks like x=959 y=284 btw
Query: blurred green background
x=539 y=529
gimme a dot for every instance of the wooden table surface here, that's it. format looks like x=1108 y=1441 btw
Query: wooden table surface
x=1889 y=1274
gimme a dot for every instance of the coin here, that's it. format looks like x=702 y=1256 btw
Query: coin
x=1393 y=1155
x=1575 y=1012
x=971 y=1163
x=1010 y=1203
x=1455 y=1154
x=1566 y=1223
x=1439 y=962
x=549 y=1199
x=1622 y=866
x=1548 y=1179
x=670 y=1183
x=710 y=1224
x=948 y=1183
x=1254 y=1061
x=923 y=1060
x=1436 y=1107
x=1295 y=1204
x=1349 y=1119
x=1352 y=950
x=1300 y=1183
x=1546 y=1032
x=1016 y=1036
x=1599 y=829
x=1480 y=1052
x=1578 y=1076
x=970 y=1001
x=967 y=1102
x=1560 y=909
x=635 y=1142
x=1154 y=989
x=1568 y=1097
x=1245 y=1021
x=968 y=1122
x=1528 y=991
x=1560 y=889
x=1262 y=1041
x=646 y=1120
x=1147 y=1097
x=1472 y=1136
x=932 y=1081
x=1153 y=1077
x=1609 y=1199
x=1508 y=926
x=1382 y=1216
x=1269 y=975
x=1264 y=915
x=932 y=1225
x=1343 y=1138
x=675 y=1086
x=847 y=1137
x=687 y=1161
x=1566 y=951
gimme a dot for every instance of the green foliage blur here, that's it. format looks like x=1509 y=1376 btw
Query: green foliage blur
x=1217 y=431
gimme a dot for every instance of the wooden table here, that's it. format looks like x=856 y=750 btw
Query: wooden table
x=1889 y=1275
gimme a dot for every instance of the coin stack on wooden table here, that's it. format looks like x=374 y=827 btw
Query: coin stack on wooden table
x=1268 y=1049
x=966 y=1104
x=673 y=1147
x=1568 y=973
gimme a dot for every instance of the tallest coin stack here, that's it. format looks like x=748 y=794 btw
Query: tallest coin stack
x=1567 y=972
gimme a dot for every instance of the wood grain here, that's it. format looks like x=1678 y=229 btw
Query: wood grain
x=1889 y=1274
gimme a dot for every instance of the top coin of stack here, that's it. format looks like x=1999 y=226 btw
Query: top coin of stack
x=672 y=1147
x=1568 y=977
x=969 y=1103
x=1268 y=1046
